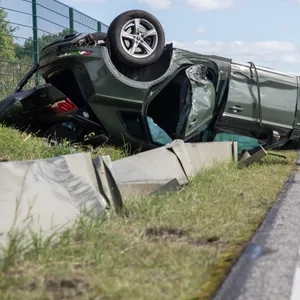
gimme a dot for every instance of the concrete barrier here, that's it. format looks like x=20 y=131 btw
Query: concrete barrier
x=48 y=194
x=107 y=182
x=142 y=174
x=44 y=195
x=196 y=156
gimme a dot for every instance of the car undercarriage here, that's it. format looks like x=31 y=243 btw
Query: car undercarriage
x=129 y=86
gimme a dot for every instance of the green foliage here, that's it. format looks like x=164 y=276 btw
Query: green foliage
x=44 y=40
x=16 y=58
x=10 y=50
x=7 y=51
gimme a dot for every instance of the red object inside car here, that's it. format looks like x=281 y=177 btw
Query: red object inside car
x=63 y=106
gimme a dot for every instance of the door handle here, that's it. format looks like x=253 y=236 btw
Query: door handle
x=236 y=108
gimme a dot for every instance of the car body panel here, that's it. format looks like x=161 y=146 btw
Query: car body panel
x=278 y=100
x=229 y=100
x=203 y=101
x=33 y=99
x=113 y=92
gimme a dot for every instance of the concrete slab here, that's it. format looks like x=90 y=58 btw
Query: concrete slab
x=107 y=182
x=47 y=194
x=197 y=156
x=171 y=186
x=249 y=160
x=143 y=173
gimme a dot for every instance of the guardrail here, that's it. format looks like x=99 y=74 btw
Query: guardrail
x=28 y=25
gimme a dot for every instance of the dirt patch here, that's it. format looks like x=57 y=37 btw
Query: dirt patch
x=180 y=235
x=206 y=241
x=66 y=288
x=165 y=232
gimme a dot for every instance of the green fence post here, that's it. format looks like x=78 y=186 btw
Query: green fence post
x=35 y=38
x=99 y=26
x=71 y=19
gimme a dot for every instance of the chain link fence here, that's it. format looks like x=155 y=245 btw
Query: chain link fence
x=26 y=26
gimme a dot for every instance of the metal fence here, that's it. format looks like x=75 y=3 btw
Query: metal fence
x=26 y=26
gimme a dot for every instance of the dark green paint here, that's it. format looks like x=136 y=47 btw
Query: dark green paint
x=35 y=37
x=110 y=92
x=99 y=26
x=71 y=19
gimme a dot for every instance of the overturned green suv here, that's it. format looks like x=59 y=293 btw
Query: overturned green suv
x=129 y=85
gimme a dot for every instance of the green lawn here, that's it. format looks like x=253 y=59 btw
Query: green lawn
x=176 y=246
x=19 y=146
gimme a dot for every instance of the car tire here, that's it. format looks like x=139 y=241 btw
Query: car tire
x=136 y=38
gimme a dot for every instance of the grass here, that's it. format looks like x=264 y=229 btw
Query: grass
x=176 y=246
x=11 y=73
x=20 y=146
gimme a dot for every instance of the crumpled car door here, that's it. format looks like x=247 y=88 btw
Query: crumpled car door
x=198 y=108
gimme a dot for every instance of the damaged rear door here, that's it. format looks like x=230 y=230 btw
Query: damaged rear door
x=260 y=100
x=199 y=99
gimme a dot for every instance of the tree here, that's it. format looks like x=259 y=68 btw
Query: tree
x=44 y=40
x=7 y=44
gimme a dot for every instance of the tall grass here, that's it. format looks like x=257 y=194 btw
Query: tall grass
x=11 y=72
